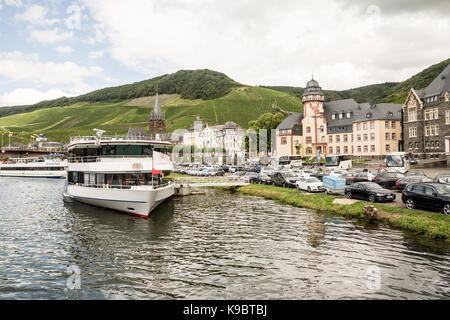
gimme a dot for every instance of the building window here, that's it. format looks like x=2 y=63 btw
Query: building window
x=447 y=116
x=372 y=125
x=330 y=139
x=333 y=116
x=394 y=136
x=338 y=150
x=359 y=149
x=353 y=150
x=308 y=129
x=283 y=140
x=410 y=146
x=349 y=115
x=352 y=137
x=427 y=145
x=341 y=116
x=366 y=149
x=438 y=145
x=359 y=138
x=393 y=124
x=387 y=136
x=412 y=114
x=366 y=137
x=388 y=148
x=417 y=145
x=436 y=130
x=308 y=140
x=345 y=149
x=372 y=148
x=331 y=150
x=345 y=138
x=365 y=125
x=372 y=137
x=338 y=139
x=386 y=124
x=431 y=130
x=358 y=126
x=436 y=113
x=322 y=139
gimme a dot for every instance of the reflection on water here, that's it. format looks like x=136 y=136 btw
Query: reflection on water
x=214 y=246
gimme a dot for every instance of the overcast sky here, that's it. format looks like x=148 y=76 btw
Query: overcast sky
x=50 y=48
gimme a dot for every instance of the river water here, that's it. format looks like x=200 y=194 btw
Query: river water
x=220 y=245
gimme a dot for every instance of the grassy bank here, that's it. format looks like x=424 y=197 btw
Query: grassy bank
x=431 y=224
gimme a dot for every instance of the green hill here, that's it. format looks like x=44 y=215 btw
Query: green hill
x=391 y=92
x=189 y=84
x=240 y=105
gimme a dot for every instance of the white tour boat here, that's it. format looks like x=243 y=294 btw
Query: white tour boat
x=119 y=174
x=49 y=166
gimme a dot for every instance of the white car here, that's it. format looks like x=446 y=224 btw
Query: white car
x=309 y=184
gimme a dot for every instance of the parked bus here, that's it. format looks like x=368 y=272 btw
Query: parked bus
x=284 y=160
x=397 y=162
x=339 y=161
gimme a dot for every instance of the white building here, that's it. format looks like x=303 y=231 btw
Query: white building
x=229 y=137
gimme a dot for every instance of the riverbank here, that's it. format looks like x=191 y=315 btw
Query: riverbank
x=431 y=224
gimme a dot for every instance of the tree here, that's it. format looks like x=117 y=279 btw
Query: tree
x=267 y=121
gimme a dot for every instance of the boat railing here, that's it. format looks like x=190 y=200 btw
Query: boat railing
x=122 y=187
x=78 y=139
x=89 y=159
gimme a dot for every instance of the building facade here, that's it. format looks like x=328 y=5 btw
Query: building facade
x=426 y=119
x=229 y=137
x=362 y=130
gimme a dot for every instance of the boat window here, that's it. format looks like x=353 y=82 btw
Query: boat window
x=129 y=150
x=147 y=151
x=115 y=180
x=109 y=150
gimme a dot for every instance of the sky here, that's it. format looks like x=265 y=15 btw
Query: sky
x=53 y=48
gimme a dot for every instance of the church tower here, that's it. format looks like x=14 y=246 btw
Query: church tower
x=157 y=121
x=314 y=123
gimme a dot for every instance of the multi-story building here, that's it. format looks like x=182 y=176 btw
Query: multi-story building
x=426 y=119
x=362 y=130
x=229 y=136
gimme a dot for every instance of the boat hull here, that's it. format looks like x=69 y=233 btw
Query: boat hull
x=139 y=201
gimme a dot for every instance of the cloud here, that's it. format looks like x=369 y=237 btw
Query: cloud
x=95 y=54
x=65 y=49
x=15 y=3
x=36 y=15
x=27 y=68
x=26 y=96
x=264 y=42
x=50 y=35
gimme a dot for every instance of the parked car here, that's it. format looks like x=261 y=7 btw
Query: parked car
x=416 y=173
x=310 y=184
x=284 y=179
x=388 y=179
x=264 y=179
x=369 y=191
x=443 y=178
x=434 y=196
x=402 y=183
x=361 y=177
x=348 y=177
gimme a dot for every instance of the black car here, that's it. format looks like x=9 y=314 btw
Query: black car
x=434 y=196
x=261 y=178
x=284 y=179
x=403 y=182
x=369 y=191
x=388 y=179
